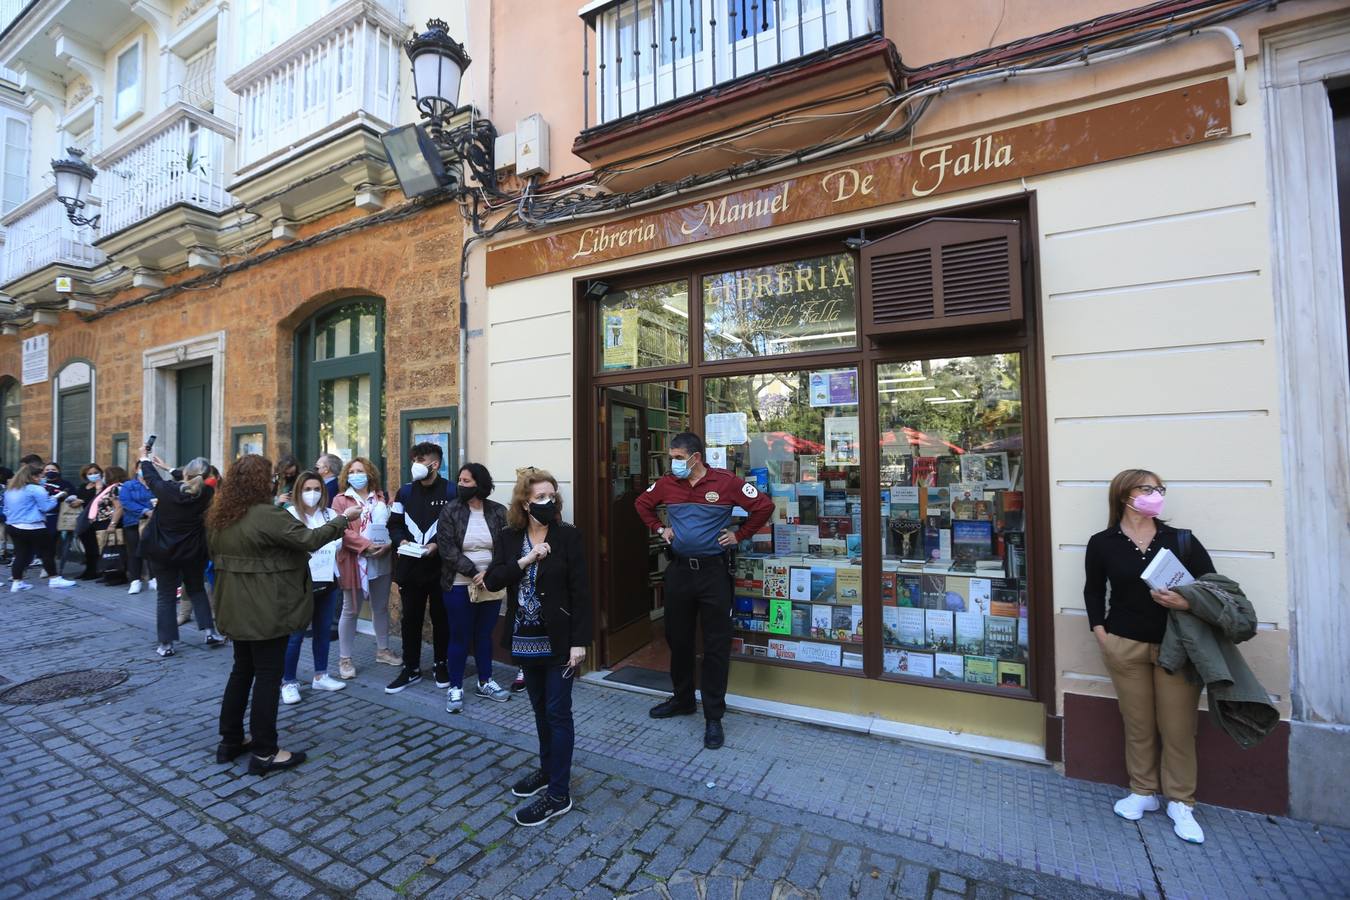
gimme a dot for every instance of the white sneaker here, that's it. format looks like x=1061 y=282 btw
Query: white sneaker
x=20 y=586
x=493 y=691
x=1184 y=824
x=290 y=693
x=154 y=583
x=454 y=700
x=326 y=682
x=59 y=582
x=1134 y=806
x=136 y=587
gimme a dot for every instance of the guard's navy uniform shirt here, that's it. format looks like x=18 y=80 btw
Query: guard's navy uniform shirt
x=698 y=513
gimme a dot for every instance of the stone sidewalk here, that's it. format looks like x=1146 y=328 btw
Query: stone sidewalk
x=117 y=794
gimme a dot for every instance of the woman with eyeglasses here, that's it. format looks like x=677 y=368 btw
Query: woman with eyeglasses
x=1157 y=707
x=540 y=561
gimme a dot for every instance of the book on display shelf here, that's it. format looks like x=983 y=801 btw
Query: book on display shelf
x=808 y=510
x=799 y=583
x=822 y=620
x=743 y=606
x=934 y=591
x=848 y=584
x=911 y=626
x=1000 y=637
x=1005 y=601
x=972 y=540
x=889 y=595
x=910 y=590
x=855 y=612
x=939 y=632
x=919 y=665
x=979 y=596
x=890 y=660
x=949 y=666
x=781 y=649
x=761 y=607
x=841 y=619
x=890 y=625
x=853 y=545
x=824 y=584
x=969 y=633
x=801 y=621
x=776 y=576
x=822 y=654
x=981 y=670
x=1015 y=550
x=957 y=593
x=852 y=660
x=1011 y=674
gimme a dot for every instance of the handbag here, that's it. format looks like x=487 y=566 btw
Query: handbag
x=112 y=563
x=483 y=595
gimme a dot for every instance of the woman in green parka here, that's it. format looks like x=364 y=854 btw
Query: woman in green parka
x=262 y=594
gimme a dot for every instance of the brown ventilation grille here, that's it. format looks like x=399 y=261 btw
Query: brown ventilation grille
x=943 y=273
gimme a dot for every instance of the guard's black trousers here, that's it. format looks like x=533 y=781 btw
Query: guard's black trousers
x=702 y=593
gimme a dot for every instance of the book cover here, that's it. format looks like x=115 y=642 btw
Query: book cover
x=1000 y=637
x=835 y=527
x=787 y=490
x=910 y=591
x=1166 y=572
x=775 y=580
x=853 y=545
x=1015 y=547
x=972 y=540
x=761 y=608
x=1008 y=514
x=780 y=617
x=855 y=617
x=948 y=469
x=794 y=513
x=743 y=606
x=799 y=583
x=981 y=670
x=780 y=649
x=970 y=633
x=968 y=502
x=1023 y=638
x=905 y=524
x=890 y=660
x=911 y=626
x=762 y=541
x=835 y=503
x=978 y=597
x=848 y=584
x=890 y=625
x=808 y=510
x=958 y=590
x=1012 y=674
x=934 y=591
x=932 y=540
x=824 y=586
x=822 y=620
x=852 y=660
x=938 y=506
x=814 y=490
x=784 y=539
x=949 y=667
x=822 y=654
x=808 y=468
x=841 y=619
x=801 y=621
x=1004 y=601
x=889 y=596
x=780 y=505
x=939 y=632
x=920 y=665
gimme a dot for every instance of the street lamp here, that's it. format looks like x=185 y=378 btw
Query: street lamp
x=74 y=178
x=417 y=152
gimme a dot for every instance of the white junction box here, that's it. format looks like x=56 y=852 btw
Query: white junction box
x=531 y=145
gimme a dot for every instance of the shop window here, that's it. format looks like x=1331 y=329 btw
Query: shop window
x=121 y=449
x=646 y=326
x=789 y=307
x=799 y=587
x=11 y=437
x=953 y=581
x=340 y=382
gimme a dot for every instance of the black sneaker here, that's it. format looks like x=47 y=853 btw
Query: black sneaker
x=530 y=785
x=442 y=675
x=541 y=810
x=405 y=678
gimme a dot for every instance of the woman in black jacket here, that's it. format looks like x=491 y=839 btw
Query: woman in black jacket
x=90 y=486
x=540 y=561
x=175 y=542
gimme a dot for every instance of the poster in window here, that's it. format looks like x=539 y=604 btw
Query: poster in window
x=440 y=439
x=836 y=388
x=842 y=441
x=990 y=468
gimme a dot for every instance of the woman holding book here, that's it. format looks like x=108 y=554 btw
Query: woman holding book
x=1158 y=708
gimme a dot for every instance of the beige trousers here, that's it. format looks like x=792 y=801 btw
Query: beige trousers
x=1154 y=705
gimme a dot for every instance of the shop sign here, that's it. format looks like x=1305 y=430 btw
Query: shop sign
x=1175 y=118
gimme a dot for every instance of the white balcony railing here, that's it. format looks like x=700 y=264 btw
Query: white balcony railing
x=181 y=158
x=38 y=234
x=645 y=53
x=346 y=64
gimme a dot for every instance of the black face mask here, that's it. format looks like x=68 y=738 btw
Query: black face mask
x=544 y=513
x=465 y=493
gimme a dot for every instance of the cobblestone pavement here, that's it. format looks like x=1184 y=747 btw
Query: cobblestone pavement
x=117 y=794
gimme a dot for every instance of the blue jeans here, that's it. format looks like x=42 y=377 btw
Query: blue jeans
x=471 y=626
x=324 y=603
x=551 y=696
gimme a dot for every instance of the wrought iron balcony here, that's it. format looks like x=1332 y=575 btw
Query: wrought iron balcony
x=642 y=54
x=39 y=234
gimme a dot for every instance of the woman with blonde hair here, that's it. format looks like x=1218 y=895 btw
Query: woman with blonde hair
x=1158 y=708
x=365 y=565
x=540 y=561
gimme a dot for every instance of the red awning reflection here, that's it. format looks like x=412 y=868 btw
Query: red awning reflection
x=917 y=438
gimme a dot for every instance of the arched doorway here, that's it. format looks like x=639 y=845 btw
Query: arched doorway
x=339 y=385
x=74 y=439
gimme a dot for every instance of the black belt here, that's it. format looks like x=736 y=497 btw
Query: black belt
x=697 y=562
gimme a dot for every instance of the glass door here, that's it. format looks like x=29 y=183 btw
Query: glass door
x=340 y=371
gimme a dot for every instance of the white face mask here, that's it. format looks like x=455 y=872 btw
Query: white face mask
x=419 y=471
x=311 y=498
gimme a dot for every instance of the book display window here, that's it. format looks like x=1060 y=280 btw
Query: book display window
x=788 y=307
x=645 y=326
x=798 y=583
x=953 y=572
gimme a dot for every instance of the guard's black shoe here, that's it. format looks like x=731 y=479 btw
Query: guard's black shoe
x=226 y=753
x=713 y=738
x=405 y=678
x=541 y=810
x=261 y=765
x=671 y=707
x=530 y=785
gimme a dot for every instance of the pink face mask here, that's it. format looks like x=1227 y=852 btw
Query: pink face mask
x=1150 y=505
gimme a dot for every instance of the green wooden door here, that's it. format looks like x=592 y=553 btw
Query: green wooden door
x=194 y=413
x=73 y=450
x=340 y=383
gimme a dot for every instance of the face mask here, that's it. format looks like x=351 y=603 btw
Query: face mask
x=311 y=498
x=94 y=477
x=679 y=468
x=1150 y=505
x=211 y=482
x=544 y=513
x=53 y=476
x=358 y=480
x=419 y=471
x=465 y=494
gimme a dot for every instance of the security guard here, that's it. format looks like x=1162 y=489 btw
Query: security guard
x=699 y=579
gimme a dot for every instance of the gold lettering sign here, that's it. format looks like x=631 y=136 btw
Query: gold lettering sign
x=809 y=304
x=1173 y=118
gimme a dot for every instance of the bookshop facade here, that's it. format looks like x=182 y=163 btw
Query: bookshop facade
x=888 y=347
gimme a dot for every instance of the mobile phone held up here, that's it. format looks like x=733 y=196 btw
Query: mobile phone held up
x=150 y=442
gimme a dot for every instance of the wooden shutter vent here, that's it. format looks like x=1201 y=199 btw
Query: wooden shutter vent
x=942 y=273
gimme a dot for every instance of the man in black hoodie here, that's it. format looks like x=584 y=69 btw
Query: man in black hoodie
x=412 y=528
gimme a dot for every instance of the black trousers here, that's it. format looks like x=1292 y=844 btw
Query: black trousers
x=30 y=543
x=138 y=567
x=89 y=542
x=416 y=599
x=257 y=669
x=166 y=599
x=702 y=594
